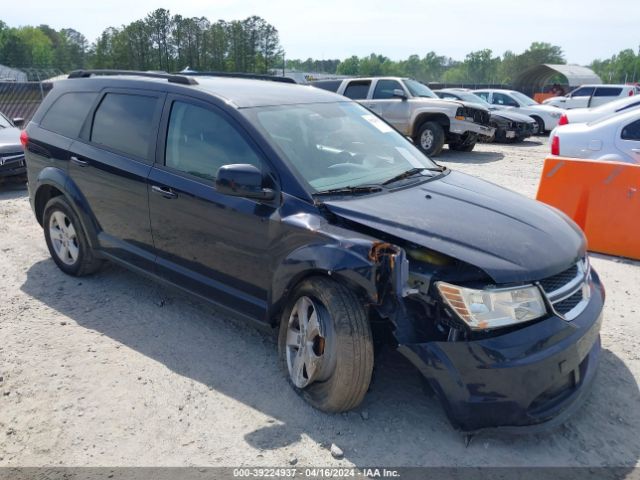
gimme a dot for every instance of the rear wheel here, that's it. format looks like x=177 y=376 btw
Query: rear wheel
x=66 y=240
x=325 y=345
x=430 y=138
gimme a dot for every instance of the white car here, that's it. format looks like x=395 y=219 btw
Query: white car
x=584 y=115
x=614 y=138
x=587 y=96
x=546 y=116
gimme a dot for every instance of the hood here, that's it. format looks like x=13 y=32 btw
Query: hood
x=510 y=237
x=10 y=139
x=554 y=100
x=512 y=116
x=545 y=108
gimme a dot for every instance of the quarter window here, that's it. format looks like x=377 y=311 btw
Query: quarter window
x=631 y=131
x=483 y=95
x=124 y=123
x=200 y=141
x=68 y=113
x=357 y=90
x=384 y=89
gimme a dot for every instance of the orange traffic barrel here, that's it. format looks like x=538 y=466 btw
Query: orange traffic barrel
x=603 y=198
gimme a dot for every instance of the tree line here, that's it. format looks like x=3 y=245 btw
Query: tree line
x=481 y=66
x=160 y=41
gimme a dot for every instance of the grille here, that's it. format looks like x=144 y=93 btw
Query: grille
x=568 y=304
x=524 y=127
x=480 y=116
x=557 y=281
x=568 y=291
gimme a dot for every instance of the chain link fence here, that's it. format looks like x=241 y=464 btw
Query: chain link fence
x=22 y=90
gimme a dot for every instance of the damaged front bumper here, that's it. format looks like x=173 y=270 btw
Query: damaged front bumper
x=462 y=127
x=537 y=375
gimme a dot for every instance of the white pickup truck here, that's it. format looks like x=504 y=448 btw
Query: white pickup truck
x=414 y=110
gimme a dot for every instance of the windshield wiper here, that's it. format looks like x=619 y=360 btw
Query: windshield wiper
x=410 y=173
x=350 y=190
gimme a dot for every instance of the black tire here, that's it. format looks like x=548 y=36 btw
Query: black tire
x=347 y=346
x=434 y=147
x=540 y=124
x=86 y=262
x=465 y=147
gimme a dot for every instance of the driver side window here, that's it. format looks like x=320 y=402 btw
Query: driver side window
x=384 y=89
x=502 y=99
x=200 y=141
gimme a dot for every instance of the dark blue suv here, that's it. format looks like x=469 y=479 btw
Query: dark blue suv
x=301 y=209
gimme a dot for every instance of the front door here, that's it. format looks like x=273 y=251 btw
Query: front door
x=212 y=244
x=393 y=109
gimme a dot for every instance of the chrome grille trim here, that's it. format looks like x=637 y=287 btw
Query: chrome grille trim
x=578 y=285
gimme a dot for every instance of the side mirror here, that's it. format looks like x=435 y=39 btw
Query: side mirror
x=242 y=180
x=18 y=121
x=399 y=93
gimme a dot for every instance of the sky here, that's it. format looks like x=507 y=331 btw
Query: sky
x=327 y=29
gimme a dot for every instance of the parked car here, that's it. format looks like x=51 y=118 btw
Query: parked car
x=414 y=110
x=546 y=116
x=614 y=138
x=11 y=153
x=585 y=115
x=587 y=96
x=509 y=126
x=299 y=208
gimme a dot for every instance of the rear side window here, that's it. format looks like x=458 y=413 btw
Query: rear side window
x=68 y=113
x=357 y=90
x=607 y=92
x=483 y=95
x=200 y=141
x=631 y=131
x=124 y=122
x=384 y=89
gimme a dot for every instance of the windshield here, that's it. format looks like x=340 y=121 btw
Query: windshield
x=4 y=122
x=523 y=99
x=473 y=98
x=337 y=145
x=417 y=89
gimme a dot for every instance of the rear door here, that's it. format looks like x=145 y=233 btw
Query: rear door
x=212 y=244
x=110 y=164
x=628 y=140
x=604 y=95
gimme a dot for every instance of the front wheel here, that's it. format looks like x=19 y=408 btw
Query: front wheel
x=325 y=345
x=540 y=128
x=430 y=138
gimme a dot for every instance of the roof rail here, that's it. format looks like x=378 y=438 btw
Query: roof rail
x=253 y=76
x=168 y=76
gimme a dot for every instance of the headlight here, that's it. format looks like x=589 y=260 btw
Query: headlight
x=493 y=308
x=555 y=114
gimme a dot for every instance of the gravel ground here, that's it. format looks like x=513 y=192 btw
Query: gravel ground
x=114 y=370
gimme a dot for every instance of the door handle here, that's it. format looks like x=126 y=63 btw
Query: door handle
x=77 y=161
x=166 y=192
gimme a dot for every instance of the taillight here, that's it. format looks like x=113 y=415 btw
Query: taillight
x=631 y=92
x=563 y=119
x=555 y=145
x=24 y=138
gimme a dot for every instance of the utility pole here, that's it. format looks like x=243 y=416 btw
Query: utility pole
x=635 y=65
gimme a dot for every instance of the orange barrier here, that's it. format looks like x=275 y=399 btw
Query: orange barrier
x=541 y=97
x=603 y=198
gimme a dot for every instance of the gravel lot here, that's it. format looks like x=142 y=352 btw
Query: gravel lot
x=114 y=370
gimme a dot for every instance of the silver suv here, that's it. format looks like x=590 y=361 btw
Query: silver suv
x=414 y=110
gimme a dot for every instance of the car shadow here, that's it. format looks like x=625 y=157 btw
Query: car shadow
x=195 y=341
x=453 y=156
x=10 y=190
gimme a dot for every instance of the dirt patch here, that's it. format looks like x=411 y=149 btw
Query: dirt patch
x=114 y=370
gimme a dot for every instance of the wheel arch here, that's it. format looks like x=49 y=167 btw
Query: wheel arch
x=438 y=117
x=53 y=182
